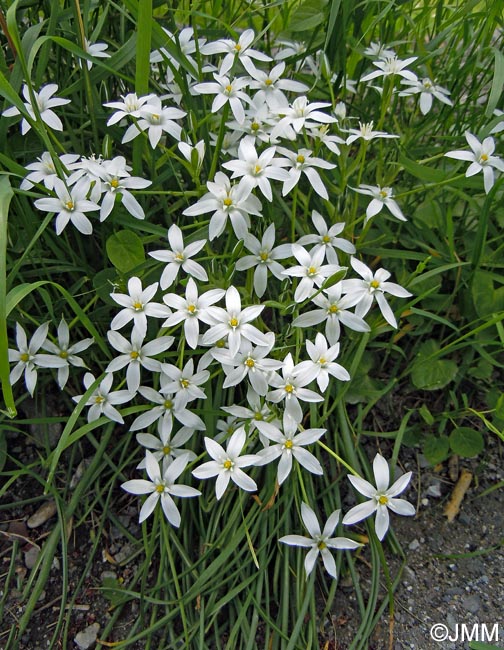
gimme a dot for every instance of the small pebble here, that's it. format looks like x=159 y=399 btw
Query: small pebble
x=413 y=545
x=45 y=512
x=472 y=604
x=87 y=637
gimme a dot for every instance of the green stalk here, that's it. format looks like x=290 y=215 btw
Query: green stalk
x=6 y=195
x=142 y=73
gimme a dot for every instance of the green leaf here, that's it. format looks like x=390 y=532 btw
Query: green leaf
x=499 y=407
x=497 y=83
x=466 y=442
x=125 y=250
x=426 y=414
x=429 y=373
x=309 y=15
x=6 y=195
x=436 y=449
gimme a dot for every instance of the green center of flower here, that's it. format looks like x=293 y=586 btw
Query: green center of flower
x=374 y=284
x=220 y=344
x=69 y=205
x=383 y=194
x=179 y=257
x=264 y=256
x=250 y=363
x=255 y=126
x=63 y=354
x=185 y=383
x=258 y=415
x=134 y=354
x=300 y=159
x=383 y=500
x=326 y=239
x=289 y=388
x=227 y=202
x=268 y=82
x=233 y=322
x=166 y=450
x=99 y=399
x=321 y=545
x=168 y=404
x=160 y=488
x=25 y=357
x=227 y=464
x=155 y=117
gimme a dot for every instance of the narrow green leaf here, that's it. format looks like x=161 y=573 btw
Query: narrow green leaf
x=6 y=195
x=497 y=83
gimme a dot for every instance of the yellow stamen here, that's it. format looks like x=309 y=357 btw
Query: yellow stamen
x=322 y=361
x=233 y=322
x=326 y=239
x=134 y=354
x=383 y=500
x=180 y=257
x=255 y=126
x=229 y=88
x=168 y=404
x=383 y=194
x=114 y=183
x=483 y=157
x=288 y=444
x=300 y=159
x=166 y=450
x=289 y=388
x=263 y=256
x=227 y=202
x=185 y=383
x=374 y=284
x=69 y=205
x=137 y=305
x=312 y=270
x=99 y=399
x=268 y=82
x=191 y=309
x=227 y=464
x=24 y=357
x=160 y=488
x=257 y=169
x=238 y=47
x=63 y=354
x=333 y=309
x=250 y=363
x=321 y=546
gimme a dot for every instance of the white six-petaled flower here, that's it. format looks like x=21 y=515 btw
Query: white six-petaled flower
x=319 y=541
x=382 y=498
x=481 y=158
x=45 y=103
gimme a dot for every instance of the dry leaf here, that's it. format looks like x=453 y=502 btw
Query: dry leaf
x=452 y=508
x=45 y=512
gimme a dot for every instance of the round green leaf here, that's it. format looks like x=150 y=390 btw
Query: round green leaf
x=466 y=442
x=125 y=250
x=436 y=449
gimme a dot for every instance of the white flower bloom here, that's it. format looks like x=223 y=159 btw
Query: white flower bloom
x=45 y=102
x=256 y=171
x=289 y=388
x=392 y=66
x=102 y=400
x=226 y=91
x=381 y=498
x=427 y=90
x=264 y=258
x=381 y=196
x=365 y=131
x=300 y=114
x=27 y=357
x=321 y=363
x=66 y=352
x=481 y=158
x=255 y=412
x=233 y=50
x=156 y=120
x=193 y=154
x=161 y=488
x=184 y=384
x=326 y=239
x=163 y=408
x=319 y=541
x=70 y=205
x=330 y=141
x=289 y=445
x=116 y=181
x=129 y=107
x=372 y=286
x=191 y=310
x=137 y=306
x=184 y=42
x=311 y=269
x=234 y=323
x=333 y=309
x=248 y=362
x=44 y=170
x=302 y=162
x=226 y=200
x=270 y=86
x=135 y=354
x=378 y=51
x=165 y=448
x=97 y=50
x=179 y=257
x=226 y=464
